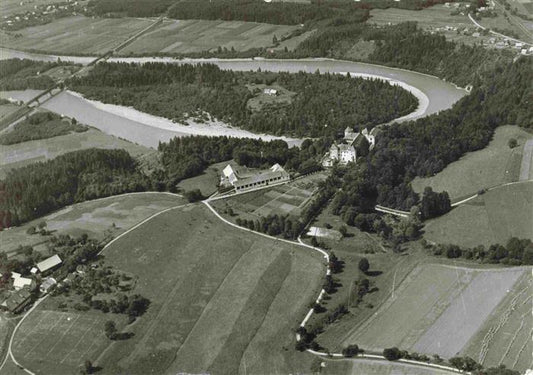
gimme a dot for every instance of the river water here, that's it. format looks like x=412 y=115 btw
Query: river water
x=433 y=94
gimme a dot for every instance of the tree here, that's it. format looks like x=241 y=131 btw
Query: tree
x=31 y=230
x=110 y=329
x=512 y=143
x=351 y=350
x=392 y=354
x=88 y=367
x=194 y=195
x=343 y=231
x=42 y=225
x=364 y=265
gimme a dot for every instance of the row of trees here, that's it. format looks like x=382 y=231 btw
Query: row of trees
x=274 y=225
x=178 y=92
x=515 y=252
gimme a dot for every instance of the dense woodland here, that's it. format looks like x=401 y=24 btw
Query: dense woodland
x=40 y=125
x=20 y=74
x=284 y=13
x=38 y=189
x=177 y=91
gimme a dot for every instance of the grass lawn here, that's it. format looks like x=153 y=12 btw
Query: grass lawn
x=185 y=36
x=451 y=306
x=495 y=164
x=75 y=35
x=207 y=182
x=18 y=155
x=290 y=198
x=506 y=335
x=214 y=308
x=491 y=218
x=95 y=218
x=7 y=109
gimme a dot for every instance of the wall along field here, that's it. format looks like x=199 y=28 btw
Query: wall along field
x=191 y=265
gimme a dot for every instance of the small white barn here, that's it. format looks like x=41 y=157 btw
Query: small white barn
x=49 y=263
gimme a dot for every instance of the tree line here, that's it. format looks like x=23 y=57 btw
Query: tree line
x=21 y=74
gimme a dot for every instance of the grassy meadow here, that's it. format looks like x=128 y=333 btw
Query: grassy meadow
x=494 y=165
x=491 y=218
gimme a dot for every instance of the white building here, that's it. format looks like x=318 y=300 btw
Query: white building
x=49 y=263
x=270 y=91
x=345 y=152
x=242 y=179
x=20 y=282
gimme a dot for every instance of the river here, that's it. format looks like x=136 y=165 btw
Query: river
x=432 y=93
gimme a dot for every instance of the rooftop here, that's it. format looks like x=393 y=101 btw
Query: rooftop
x=49 y=263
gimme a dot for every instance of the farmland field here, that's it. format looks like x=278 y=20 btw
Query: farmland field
x=75 y=35
x=283 y=199
x=221 y=300
x=84 y=35
x=95 y=218
x=506 y=335
x=200 y=35
x=365 y=367
x=452 y=305
x=491 y=218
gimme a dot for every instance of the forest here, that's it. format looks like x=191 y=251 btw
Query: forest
x=177 y=91
x=40 y=125
x=20 y=74
x=128 y=8
x=37 y=189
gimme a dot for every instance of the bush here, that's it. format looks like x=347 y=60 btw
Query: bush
x=392 y=354
x=194 y=195
x=512 y=143
x=364 y=265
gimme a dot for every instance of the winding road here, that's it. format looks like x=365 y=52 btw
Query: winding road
x=434 y=95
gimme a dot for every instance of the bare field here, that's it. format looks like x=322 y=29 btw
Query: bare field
x=491 y=218
x=21 y=154
x=452 y=305
x=495 y=164
x=506 y=335
x=96 y=218
x=73 y=35
x=184 y=36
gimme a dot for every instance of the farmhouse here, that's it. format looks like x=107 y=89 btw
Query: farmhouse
x=49 y=263
x=47 y=284
x=17 y=301
x=243 y=179
x=20 y=282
